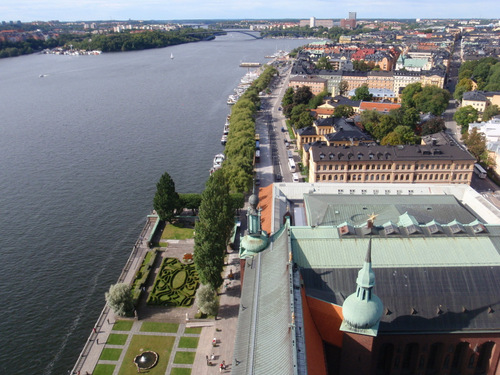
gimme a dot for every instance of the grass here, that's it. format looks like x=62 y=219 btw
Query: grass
x=109 y=354
x=177 y=231
x=180 y=371
x=116 y=339
x=123 y=325
x=194 y=331
x=140 y=343
x=188 y=342
x=104 y=370
x=184 y=358
x=159 y=327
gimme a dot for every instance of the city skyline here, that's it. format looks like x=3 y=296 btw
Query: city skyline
x=95 y=10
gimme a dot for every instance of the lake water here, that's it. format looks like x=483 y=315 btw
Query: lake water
x=81 y=150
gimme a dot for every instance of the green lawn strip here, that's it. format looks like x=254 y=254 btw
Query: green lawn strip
x=194 y=330
x=159 y=327
x=123 y=325
x=116 y=339
x=184 y=358
x=104 y=370
x=140 y=343
x=177 y=231
x=110 y=354
x=180 y=371
x=188 y=342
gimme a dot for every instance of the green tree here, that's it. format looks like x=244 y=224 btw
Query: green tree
x=386 y=125
x=362 y=93
x=489 y=112
x=297 y=112
x=464 y=116
x=302 y=95
x=119 y=299
x=343 y=87
x=343 y=111
x=190 y=201
x=317 y=100
x=463 y=86
x=476 y=144
x=166 y=200
x=401 y=135
x=431 y=99
x=304 y=120
x=408 y=94
x=212 y=230
x=323 y=64
x=288 y=97
x=206 y=300
x=432 y=126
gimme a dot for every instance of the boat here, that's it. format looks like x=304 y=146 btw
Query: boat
x=223 y=140
x=217 y=164
x=172 y=56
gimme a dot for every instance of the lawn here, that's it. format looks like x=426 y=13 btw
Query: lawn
x=116 y=339
x=194 y=331
x=104 y=370
x=188 y=342
x=110 y=354
x=180 y=371
x=123 y=325
x=185 y=358
x=177 y=231
x=140 y=343
x=159 y=327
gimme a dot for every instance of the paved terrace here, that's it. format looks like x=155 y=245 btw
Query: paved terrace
x=223 y=328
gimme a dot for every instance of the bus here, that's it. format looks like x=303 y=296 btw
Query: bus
x=481 y=173
x=291 y=164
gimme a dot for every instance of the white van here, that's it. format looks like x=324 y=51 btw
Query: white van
x=295 y=177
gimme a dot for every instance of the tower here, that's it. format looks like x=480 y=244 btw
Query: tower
x=362 y=310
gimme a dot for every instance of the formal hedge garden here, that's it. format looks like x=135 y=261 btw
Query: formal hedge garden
x=175 y=284
x=142 y=275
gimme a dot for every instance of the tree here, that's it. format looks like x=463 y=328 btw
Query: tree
x=464 y=85
x=489 y=112
x=464 y=116
x=323 y=64
x=288 y=97
x=343 y=87
x=408 y=94
x=191 y=201
x=383 y=128
x=166 y=200
x=119 y=299
x=343 y=111
x=212 y=230
x=296 y=113
x=476 y=144
x=401 y=135
x=304 y=120
x=206 y=300
x=362 y=93
x=317 y=100
x=302 y=95
x=431 y=99
x=432 y=126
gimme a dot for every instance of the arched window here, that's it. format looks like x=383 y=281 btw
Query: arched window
x=483 y=361
x=435 y=358
x=410 y=357
x=459 y=356
x=384 y=363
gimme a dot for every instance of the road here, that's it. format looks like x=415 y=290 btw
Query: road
x=269 y=122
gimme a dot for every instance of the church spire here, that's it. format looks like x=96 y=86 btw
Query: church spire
x=362 y=310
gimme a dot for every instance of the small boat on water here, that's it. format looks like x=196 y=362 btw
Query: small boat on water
x=172 y=56
x=217 y=164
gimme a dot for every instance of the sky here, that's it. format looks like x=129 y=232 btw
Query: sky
x=87 y=10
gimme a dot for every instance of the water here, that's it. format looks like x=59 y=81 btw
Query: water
x=81 y=150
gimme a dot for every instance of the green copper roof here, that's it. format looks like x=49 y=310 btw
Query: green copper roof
x=322 y=248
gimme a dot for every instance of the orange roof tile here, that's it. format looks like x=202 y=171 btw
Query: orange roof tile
x=266 y=203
